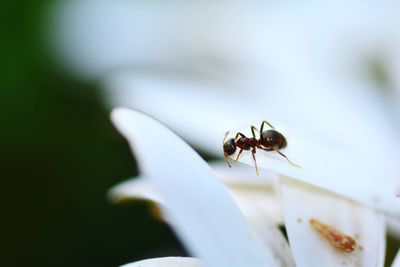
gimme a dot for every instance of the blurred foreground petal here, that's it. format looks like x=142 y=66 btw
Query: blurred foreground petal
x=396 y=262
x=256 y=197
x=310 y=248
x=201 y=111
x=166 y=262
x=134 y=189
x=202 y=213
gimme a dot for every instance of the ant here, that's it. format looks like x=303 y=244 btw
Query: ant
x=270 y=140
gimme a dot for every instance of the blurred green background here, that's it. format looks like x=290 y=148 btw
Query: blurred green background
x=59 y=156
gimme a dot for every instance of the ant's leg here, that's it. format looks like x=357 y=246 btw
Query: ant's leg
x=283 y=155
x=239 y=134
x=253 y=129
x=262 y=126
x=227 y=160
x=237 y=157
x=253 y=153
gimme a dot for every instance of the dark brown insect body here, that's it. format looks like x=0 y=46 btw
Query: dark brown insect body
x=270 y=140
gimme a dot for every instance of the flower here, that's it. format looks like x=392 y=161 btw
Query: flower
x=208 y=222
x=299 y=66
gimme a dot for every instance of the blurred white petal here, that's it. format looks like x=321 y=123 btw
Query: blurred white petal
x=256 y=196
x=265 y=36
x=206 y=103
x=203 y=214
x=396 y=262
x=367 y=227
x=166 y=262
x=95 y=37
x=259 y=203
x=256 y=47
x=134 y=189
x=200 y=111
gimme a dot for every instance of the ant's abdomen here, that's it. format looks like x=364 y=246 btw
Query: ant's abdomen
x=273 y=140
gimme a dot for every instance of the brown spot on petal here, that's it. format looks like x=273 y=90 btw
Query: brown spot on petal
x=337 y=239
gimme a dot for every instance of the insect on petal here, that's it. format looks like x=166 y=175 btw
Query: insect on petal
x=365 y=177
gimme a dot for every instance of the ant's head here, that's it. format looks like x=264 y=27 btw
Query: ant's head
x=229 y=145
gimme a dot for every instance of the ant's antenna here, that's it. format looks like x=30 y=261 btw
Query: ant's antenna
x=226 y=135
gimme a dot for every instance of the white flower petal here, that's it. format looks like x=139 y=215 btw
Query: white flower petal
x=260 y=205
x=166 y=262
x=96 y=36
x=256 y=196
x=202 y=212
x=396 y=262
x=273 y=239
x=243 y=175
x=137 y=188
x=367 y=227
x=365 y=176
